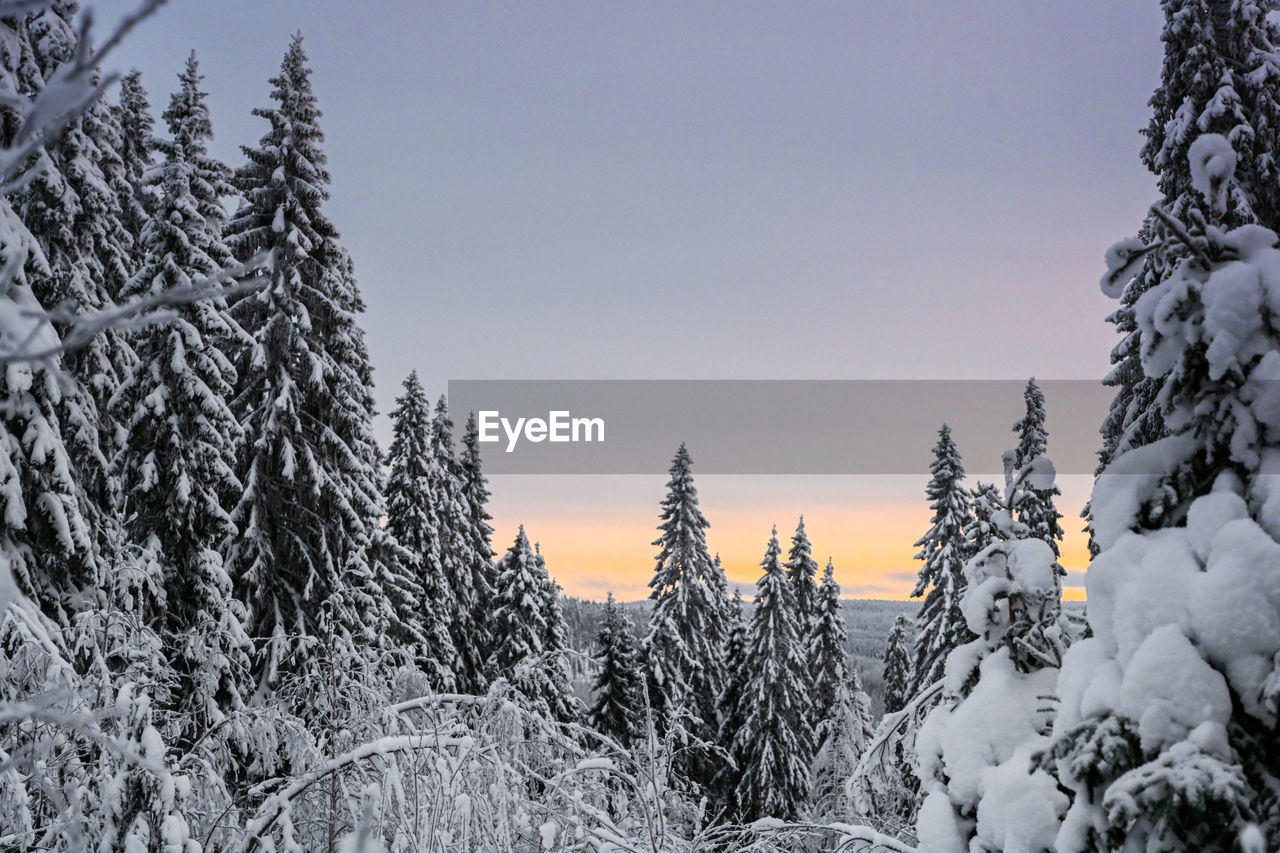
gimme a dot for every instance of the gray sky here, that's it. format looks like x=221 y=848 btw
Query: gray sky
x=713 y=189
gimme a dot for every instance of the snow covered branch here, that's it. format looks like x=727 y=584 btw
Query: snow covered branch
x=35 y=343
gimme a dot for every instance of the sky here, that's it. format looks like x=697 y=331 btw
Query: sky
x=737 y=190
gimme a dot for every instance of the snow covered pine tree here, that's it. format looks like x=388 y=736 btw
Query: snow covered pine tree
x=526 y=636
x=803 y=570
x=684 y=646
x=618 y=709
x=1163 y=736
x=944 y=548
x=773 y=748
x=1220 y=75
x=897 y=667
x=177 y=466
x=841 y=710
x=1031 y=505
x=424 y=631
x=305 y=576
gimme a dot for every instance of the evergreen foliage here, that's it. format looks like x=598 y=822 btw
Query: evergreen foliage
x=528 y=631
x=311 y=497
x=477 y=548
x=1219 y=76
x=774 y=747
x=684 y=645
x=423 y=623
x=137 y=155
x=803 y=569
x=460 y=595
x=826 y=647
x=943 y=549
x=618 y=709
x=1032 y=504
x=897 y=668
x=178 y=463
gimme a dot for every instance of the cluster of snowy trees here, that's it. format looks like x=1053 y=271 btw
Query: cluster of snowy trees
x=968 y=529
x=770 y=717
x=220 y=602
x=229 y=621
x=1156 y=729
x=966 y=523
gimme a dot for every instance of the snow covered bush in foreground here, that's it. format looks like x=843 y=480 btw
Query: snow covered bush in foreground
x=974 y=752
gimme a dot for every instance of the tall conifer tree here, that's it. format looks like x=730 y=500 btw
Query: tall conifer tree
x=48 y=521
x=774 y=747
x=1220 y=74
x=423 y=627
x=137 y=154
x=803 y=569
x=457 y=552
x=528 y=645
x=178 y=462
x=944 y=550
x=1034 y=506
x=474 y=494
x=730 y=706
x=72 y=209
x=898 y=678
x=684 y=646
x=842 y=737
x=618 y=706
x=826 y=646
x=311 y=496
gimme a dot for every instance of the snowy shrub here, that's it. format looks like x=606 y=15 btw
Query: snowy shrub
x=974 y=752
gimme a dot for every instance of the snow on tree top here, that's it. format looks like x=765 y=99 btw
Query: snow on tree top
x=1213 y=164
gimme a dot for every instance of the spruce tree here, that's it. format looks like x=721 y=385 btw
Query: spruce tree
x=555 y=643
x=842 y=737
x=1034 y=506
x=60 y=528
x=119 y=256
x=457 y=560
x=841 y=708
x=423 y=627
x=72 y=209
x=474 y=494
x=190 y=128
x=178 y=462
x=730 y=707
x=522 y=620
x=991 y=519
x=137 y=154
x=684 y=644
x=774 y=747
x=944 y=550
x=618 y=709
x=826 y=645
x=45 y=534
x=311 y=487
x=802 y=569
x=898 y=678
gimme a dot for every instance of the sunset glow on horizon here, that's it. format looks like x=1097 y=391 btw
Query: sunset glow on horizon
x=596 y=532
